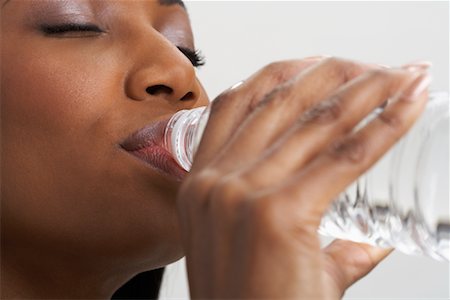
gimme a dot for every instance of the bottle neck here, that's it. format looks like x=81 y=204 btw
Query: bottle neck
x=183 y=133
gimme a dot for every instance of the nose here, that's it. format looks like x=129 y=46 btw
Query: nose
x=161 y=71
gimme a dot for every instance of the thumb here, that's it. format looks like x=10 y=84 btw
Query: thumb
x=346 y=262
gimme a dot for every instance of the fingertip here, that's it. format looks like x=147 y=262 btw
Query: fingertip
x=351 y=261
x=377 y=253
x=358 y=253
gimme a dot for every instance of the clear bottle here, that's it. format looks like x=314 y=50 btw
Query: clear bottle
x=184 y=132
x=401 y=202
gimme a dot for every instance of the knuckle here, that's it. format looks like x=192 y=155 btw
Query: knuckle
x=354 y=69
x=342 y=69
x=324 y=113
x=223 y=99
x=273 y=67
x=273 y=98
x=219 y=101
x=229 y=99
x=392 y=121
x=278 y=94
x=332 y=61
x=339 y=69
x=351 y=150
x=281 y=71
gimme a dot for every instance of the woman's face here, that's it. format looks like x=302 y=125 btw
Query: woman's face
x=78 y=77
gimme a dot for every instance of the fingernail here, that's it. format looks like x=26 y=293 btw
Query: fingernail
x=378 y=66
x=417 y=65
x=423 y=63
x=417 y=87
x=384 y=66
x=318 y=56
x=237 y=84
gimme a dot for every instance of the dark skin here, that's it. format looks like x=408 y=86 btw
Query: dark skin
x=71 y=99
x=80 y=216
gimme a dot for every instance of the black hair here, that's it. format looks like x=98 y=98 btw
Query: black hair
x=144 y=285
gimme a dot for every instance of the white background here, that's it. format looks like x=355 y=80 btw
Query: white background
x=238 y=38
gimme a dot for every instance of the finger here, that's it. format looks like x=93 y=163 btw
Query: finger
x=420 y=64
x=279 y=110
x=346 y=262
x=345 y=160
x=231 y=107
x=327 y=121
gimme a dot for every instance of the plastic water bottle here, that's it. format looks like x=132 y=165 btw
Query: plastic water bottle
x=401 y=202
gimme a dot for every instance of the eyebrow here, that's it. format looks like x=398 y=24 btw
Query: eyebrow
x=171 y=2
x=162 y=2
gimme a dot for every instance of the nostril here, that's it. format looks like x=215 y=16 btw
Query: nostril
x=187 y=97
x=158 y=89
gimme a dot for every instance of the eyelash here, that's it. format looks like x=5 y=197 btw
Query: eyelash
x=70 y=27
x=195 y=56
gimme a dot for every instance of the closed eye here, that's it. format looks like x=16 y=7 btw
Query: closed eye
x=195 y=56
x=79 y=30
x=71 y=29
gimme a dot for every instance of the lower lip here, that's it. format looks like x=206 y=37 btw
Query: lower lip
x=158 y=158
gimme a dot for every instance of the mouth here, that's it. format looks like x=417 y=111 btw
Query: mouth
x=147 y=144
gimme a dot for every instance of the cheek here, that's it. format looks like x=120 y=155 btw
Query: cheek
x=49 y=105
x=53 y=95
x=64 y=178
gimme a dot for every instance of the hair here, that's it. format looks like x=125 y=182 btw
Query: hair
x=144 y=285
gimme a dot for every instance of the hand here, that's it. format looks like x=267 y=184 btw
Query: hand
x=275 y=153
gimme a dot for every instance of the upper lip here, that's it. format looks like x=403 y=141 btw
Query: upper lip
x=150 y=135
x=147 y=144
